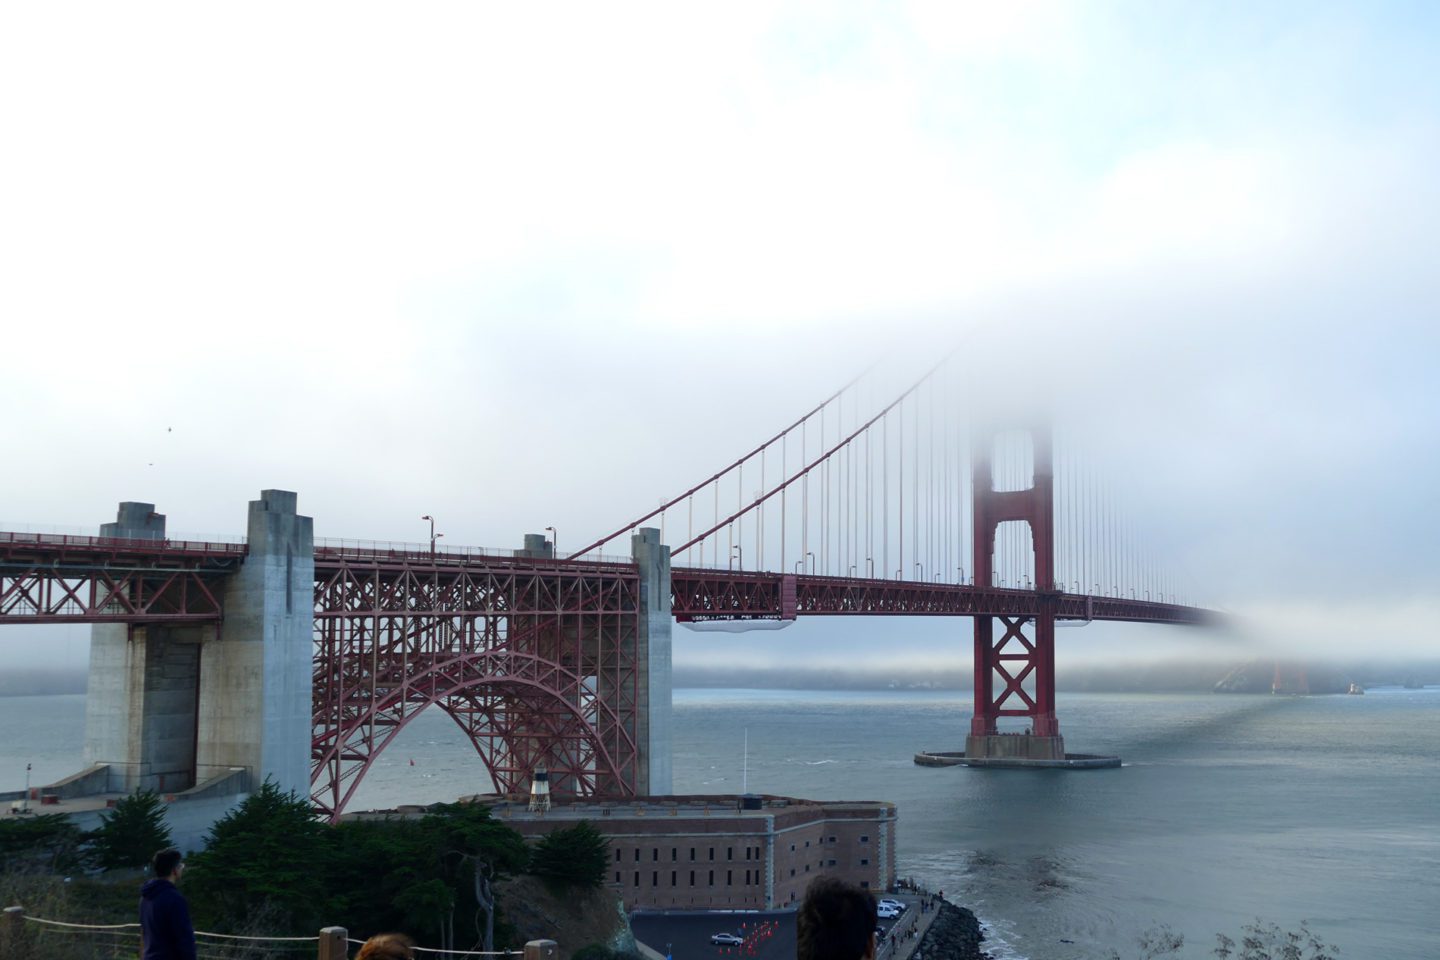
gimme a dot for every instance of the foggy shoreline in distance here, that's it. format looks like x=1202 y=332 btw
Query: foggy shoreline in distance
x=1164 y=676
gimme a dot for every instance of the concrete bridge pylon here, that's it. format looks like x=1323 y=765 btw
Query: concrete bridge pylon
x=172 y=706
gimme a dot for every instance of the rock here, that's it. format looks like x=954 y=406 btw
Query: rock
x=954 y=934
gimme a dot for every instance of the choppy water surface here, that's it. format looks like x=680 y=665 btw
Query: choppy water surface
x=1325 y=809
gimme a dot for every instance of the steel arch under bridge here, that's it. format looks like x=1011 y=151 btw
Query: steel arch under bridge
x=534 y=659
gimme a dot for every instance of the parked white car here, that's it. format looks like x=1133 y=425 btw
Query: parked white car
x=887 y=913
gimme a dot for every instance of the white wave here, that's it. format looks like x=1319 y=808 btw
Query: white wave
x=995 y=943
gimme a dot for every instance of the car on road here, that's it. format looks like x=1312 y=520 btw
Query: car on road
x=887 y=913
x=726 y=939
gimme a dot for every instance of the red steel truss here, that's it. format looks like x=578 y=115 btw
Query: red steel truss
x=535 y=660
x=1015 y=658
x=704 y=594
x=49 y=578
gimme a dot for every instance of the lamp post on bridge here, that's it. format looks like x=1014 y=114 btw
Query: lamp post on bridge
x=554 y=543
x=738 y=553
x=812 y=562
x=433 y=535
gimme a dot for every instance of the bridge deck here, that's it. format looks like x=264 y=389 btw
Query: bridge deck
x=41 y=577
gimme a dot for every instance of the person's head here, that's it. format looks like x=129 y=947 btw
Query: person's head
x=836 y=922
x=168 y=864
x=387 y=946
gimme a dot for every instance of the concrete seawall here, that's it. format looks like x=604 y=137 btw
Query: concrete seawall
x=1072 y=761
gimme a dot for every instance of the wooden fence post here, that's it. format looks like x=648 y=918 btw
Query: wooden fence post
x=542 y=950
x=333 y=945
x=11 y=931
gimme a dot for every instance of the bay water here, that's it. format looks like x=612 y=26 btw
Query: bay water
x=1228 y=808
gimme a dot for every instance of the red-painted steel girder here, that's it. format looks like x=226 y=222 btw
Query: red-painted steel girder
x=1015 y=659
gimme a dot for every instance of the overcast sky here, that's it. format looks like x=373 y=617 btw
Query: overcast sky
x=521 y=266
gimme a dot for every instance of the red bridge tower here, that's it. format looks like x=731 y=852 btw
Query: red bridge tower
x=1004 y=666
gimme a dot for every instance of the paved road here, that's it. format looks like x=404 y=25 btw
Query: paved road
x=768 y=935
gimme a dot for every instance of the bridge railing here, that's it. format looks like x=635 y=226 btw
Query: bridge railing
x=346 y=548
x=167 y=545
x=23 y=937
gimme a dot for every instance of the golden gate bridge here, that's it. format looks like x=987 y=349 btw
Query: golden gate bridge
x=905 y=508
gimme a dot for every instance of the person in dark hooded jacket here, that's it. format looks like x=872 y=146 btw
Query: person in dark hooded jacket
x=165 y=927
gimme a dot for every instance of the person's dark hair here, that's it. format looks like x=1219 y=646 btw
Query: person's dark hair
x=387 y=946
x=835 y=922
x=164 y=862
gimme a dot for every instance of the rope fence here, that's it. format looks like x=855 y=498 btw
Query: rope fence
x=24 y=937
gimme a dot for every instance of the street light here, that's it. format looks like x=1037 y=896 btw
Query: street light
x=554 y=543
x=433 y=535
x=738 y=552
x=812 y=562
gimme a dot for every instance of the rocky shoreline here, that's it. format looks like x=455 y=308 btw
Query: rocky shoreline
x=954 y=934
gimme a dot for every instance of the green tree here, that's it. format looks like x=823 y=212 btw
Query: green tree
x=40 y=844
x=130 y=834
x=576 y=857
x=430 y=876
x=267 y=857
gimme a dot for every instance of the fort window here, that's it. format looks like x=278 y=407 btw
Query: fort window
x=617 y=876
x=865 y=884
x=864 y=862
x=655 y=878
x=672 y=878
x=692 y=878
x=674 y=854
x=655 y=854
x=864 y=839
x=729 y=878
x=617 y=856
x=712 y=878
x=712 y=853
x=729 y=853
x=637 y=854
x=692 y=853
x=637 y=878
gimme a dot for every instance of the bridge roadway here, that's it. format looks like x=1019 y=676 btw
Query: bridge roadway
x=61 y=578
